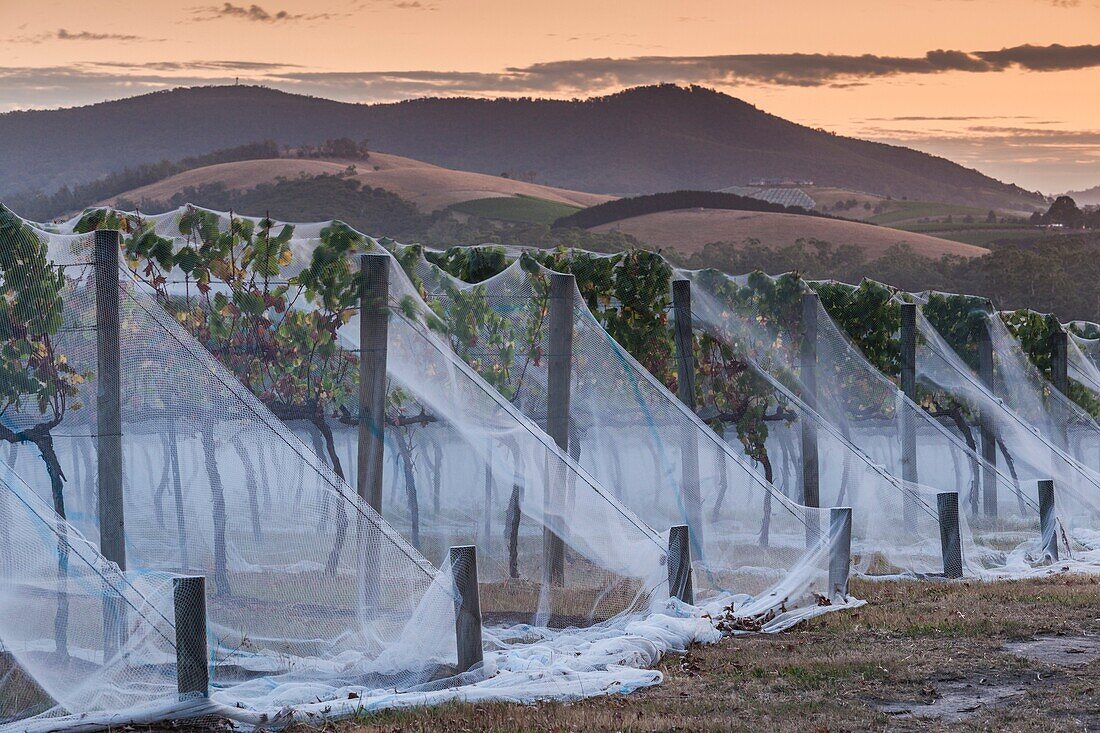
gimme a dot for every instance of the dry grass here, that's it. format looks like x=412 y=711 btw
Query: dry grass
x=912 y=644
x=688 y=230
x=428 y=186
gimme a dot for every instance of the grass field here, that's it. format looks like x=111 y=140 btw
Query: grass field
x=689 y=230
x=519 y=208
x=920 y=656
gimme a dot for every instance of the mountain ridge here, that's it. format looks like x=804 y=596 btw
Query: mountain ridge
x=641 y=140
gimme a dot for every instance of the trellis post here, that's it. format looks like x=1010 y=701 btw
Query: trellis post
x=908 y=424
x=679 y=564
x=1048 y=520
x=192 y=669
x=373 y=338
x=947 y=508
x=840 y=550
x=811 y=495
x=559 y=365
x=112 y=522
x=988 y=424
x=1059 y=370
x=685 y=390
x=467 y=607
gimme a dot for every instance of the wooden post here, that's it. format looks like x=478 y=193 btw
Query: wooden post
x=840 y=550
x=1048 y=519
x=192 y=670
x=1059 y=373
x=373 y=338
x=908 y=424
x=947 y=507
x=808 y=362
x=560 y=366
x=467 y=607
x=685 y=357
x=685 y=390
x=1059 y=359
x=988 y=424
x=112 y=522
x=679 y=564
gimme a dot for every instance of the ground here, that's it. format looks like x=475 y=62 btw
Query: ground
x=966 y=656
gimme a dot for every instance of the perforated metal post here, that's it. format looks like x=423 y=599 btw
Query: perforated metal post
x=559 y=365
x=908 y=425
x=112 y=532
x=840 y=550
x=679 y=564
x=988 y=425
x=1048 y=523
x=467 y=607
x=947 y=507
x=685 y=390
x=373 y=337
x=192 y=670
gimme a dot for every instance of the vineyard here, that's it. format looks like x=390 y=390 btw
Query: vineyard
x=276 y=473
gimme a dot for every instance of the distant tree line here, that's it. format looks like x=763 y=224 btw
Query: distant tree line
x=1050 y=273
x=625 y=208
x=39 y=206
x=1065 y=212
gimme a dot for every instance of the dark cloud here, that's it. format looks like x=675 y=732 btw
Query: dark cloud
x=587 y=76
x=253 y=13
x=64 y=35
x=580 y=77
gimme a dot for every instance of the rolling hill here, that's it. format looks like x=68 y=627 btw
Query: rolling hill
x=435 y=189
x=427 y=186
x=641 y=140
x=688 y=230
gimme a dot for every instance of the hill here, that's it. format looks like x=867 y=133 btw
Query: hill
x=427 y=186
x=1088 y=197
x=687 y=231
x=642 y=140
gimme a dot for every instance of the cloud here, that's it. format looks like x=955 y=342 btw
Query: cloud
x=253 y=12
x=596 y=75
x=64 y=35
x=83 y=83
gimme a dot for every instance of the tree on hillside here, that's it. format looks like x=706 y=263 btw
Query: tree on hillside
x=1064 y=211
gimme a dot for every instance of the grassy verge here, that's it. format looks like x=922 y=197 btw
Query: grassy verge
x=916 y=650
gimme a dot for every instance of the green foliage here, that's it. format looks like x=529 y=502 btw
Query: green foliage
x=518 y=208
x=961 y=320
x=870 y=316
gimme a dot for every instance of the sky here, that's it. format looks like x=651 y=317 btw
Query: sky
x=1010 y=87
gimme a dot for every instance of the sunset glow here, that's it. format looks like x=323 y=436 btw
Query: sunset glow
x=1014 y=95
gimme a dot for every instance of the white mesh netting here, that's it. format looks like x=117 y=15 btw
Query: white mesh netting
x=629 y=431
x=317 y=606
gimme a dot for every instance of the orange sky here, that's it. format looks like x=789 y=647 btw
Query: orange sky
x=1038 y=128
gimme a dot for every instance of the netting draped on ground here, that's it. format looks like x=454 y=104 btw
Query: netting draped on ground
x=849 y=438
x=1026 y=421
x=638 y=439
x=77 y=636
x=461 y=465
x=213 y=485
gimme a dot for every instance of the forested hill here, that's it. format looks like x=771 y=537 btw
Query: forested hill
x=642 y=140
